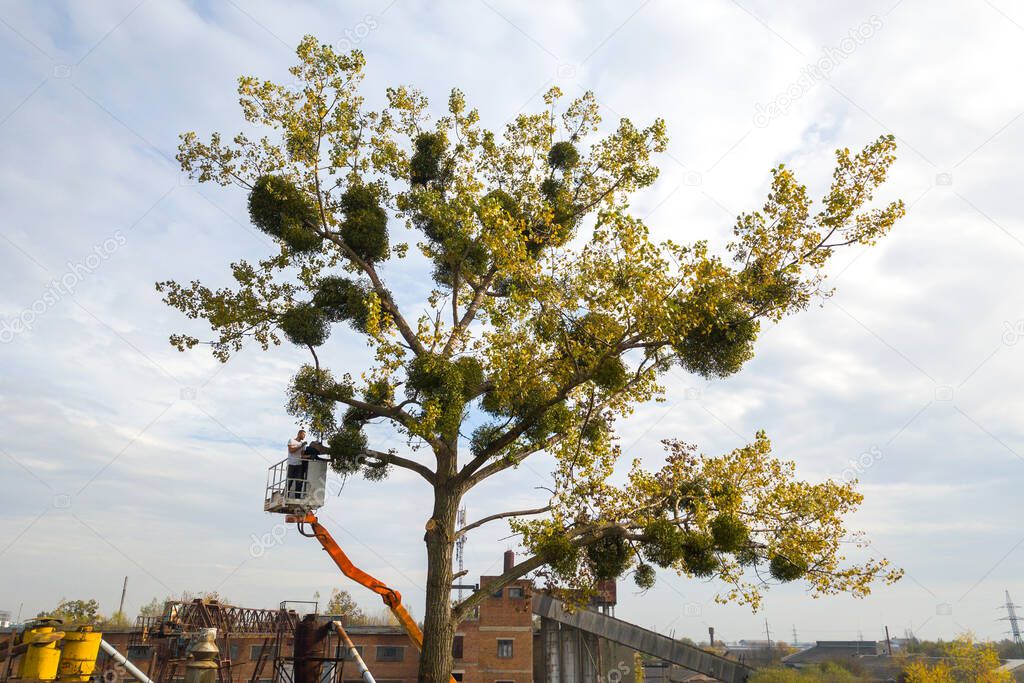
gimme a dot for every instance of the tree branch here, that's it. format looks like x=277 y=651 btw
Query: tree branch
x=405 y=463
x=581 y=537
x=477 y=469
x=501 y=515
x=378 y=286
x=471 y=310
x=393 y=413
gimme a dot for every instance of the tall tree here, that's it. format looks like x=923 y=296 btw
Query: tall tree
x=550 y=315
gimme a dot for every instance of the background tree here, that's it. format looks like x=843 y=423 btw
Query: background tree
x=342 y=604
x=75 y=612
x=828 y=672
x=962 y=661
x=154 y=608
x=116 y=621
x=551 y=314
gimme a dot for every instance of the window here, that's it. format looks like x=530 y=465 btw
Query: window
x=390 y=653
x=515 y=592
x=254 y=652
x=347 y=656
x=504 y=648
x=457 y=647
x=496 y=594
x=457 y=675
x=235 y=652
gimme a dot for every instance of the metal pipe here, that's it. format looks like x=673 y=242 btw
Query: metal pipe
x=123 y=661
x=353 y=653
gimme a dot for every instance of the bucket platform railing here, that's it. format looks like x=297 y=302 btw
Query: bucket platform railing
x=296 y=489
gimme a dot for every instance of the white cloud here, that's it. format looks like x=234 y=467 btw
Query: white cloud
x=93 y=389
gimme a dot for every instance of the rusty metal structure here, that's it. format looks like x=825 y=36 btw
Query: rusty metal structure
x=171 y=633
x=294 y=649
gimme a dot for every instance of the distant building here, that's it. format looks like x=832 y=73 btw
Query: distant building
x=833 y=650
x=663 y=672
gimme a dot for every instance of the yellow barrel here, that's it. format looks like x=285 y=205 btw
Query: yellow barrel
x=40 y=660
x=78 y=656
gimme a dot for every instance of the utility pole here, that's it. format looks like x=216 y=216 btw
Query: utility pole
x=767 y=633
x=124 y=591
x=794 y=635
x=888 y=643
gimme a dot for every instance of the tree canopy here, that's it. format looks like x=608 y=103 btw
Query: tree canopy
x=75 y=612
x=962 y=660
x=548 y=315
x=342 y=604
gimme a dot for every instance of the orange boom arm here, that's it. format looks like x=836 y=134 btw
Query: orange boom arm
x=391 y=597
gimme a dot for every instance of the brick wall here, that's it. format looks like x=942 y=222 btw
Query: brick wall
x=498 y=642
x=378 y=646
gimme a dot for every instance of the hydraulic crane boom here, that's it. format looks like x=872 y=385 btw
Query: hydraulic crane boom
x=391 y=597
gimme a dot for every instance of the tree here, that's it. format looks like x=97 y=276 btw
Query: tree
x=75 y=612
x=154 y=608
x=342 y=604
x=963 y=661
x=550 y=315
x=116 y=621
x=828 y=672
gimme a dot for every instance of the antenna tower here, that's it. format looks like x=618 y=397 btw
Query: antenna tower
x=460 y=545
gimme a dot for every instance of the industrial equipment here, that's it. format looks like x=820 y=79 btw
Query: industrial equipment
x=298 y=497
x=78 y=654
x=41 y=655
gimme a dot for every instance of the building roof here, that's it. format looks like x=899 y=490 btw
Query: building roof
x=375 y=630
x=824 y=650
x=1012 y=665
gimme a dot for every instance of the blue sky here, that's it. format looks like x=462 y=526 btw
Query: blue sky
x=121 y=456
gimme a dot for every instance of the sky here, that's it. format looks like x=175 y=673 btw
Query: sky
x=120 y=456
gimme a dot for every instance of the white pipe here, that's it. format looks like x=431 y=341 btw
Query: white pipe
x=123 y=661
x=354 y=653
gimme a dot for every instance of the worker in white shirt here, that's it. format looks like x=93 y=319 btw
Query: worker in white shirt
x=297 y=464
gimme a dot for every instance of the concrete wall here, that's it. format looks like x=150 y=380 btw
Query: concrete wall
x=564 y=654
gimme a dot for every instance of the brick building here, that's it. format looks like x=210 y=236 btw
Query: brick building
x=494 y=645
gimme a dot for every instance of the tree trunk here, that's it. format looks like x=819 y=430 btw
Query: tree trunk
x=438 y=628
